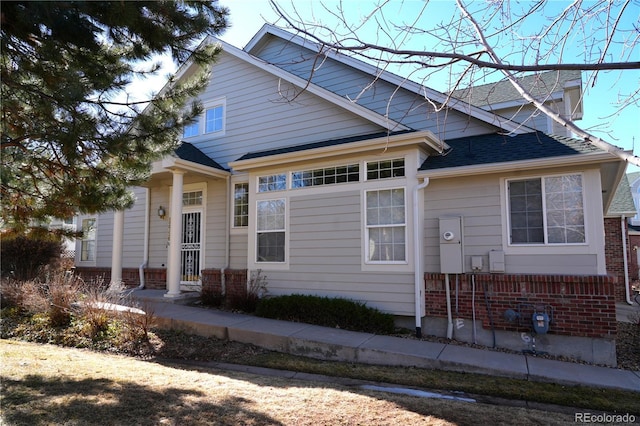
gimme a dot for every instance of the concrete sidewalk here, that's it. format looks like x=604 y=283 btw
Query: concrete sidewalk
x=343 y=345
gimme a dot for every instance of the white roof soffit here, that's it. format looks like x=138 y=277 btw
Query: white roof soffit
x=426 y=138
x=510 y=166
x=434 y=95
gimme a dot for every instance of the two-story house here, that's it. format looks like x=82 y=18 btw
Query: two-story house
x=341 y=180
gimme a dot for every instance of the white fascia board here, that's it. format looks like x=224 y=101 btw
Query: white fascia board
x=173 y=163
x=425 y=138
x=539 y=163
x=439 y=97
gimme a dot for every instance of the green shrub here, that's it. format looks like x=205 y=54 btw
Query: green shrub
x=23 y=257
x=327 y=312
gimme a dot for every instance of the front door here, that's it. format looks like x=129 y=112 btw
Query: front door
x=190 y=250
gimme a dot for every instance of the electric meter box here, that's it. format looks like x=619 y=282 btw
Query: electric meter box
x=451 y=245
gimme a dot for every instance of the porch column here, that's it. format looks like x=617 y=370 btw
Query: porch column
x=175 y=236
x=116 y=250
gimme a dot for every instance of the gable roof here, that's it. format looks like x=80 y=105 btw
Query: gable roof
x=303 y=84
x=377 y=73
x=189 y=152
x=541 y=86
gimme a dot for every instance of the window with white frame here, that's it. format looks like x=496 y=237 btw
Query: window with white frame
x=88 y=241
x=241 y=205
x=214 y=119
x=385 y=169
x=192 y=129
x=386 y=226
x=192 y=198
x=272 y=183
x=546 y=210
x=325 y=176
x=270 y=230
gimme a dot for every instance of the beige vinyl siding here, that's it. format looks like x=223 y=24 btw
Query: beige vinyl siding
x=159 y=228
x=133 y=241
x=478 y=200
x=215 y=224
x=238 y=250
x=406 y=106
x=528 y=116
x=104 y=238
x=553 y=264
x=259 y=118
x=326 y=255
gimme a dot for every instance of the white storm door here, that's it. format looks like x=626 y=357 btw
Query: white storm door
x=191 y=247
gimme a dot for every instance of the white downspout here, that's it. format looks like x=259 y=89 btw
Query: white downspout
x=624 y=258
x=417 y=256
x=145 y=247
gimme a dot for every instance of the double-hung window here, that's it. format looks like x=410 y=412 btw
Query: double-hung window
x=271 y=231
x=88 y=242
x=386 y=226
x=547 y=210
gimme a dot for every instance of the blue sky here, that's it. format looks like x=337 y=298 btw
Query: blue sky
x=248 y=16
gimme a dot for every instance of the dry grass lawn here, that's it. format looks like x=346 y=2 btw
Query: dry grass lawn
x=49 y=385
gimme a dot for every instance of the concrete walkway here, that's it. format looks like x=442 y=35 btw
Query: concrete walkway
x=349 y=346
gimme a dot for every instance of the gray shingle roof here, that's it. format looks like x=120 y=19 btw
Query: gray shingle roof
x=321 y=144
x=496 y=148
x=622 y=202
x=539 y=85
x=188 y=152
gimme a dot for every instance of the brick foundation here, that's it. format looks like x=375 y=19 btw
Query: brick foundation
x=235 y=282
x=155 y=278
x=583 y=306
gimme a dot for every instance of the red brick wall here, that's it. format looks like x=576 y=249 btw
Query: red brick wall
x=614 y=254
x=155 y=278
x=634 y=269
x=582 y=305
x=235 y=282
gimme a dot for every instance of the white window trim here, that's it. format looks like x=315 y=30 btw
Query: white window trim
x=287 y=182
x=365 y=165
x=253 y=228
x=239 y=229
x=210 y=105
x=79 y=241
x=386 y=266
x=592 y=209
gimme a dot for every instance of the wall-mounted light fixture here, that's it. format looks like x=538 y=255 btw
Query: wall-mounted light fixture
x=161 y=212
